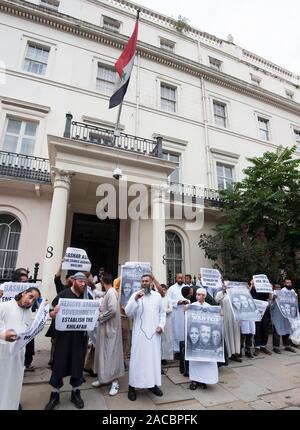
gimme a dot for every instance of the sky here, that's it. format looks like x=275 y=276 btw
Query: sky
x=269 y=28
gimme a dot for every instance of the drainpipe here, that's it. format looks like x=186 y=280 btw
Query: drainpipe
x=206 y=136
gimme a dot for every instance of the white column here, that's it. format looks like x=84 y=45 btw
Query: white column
x=56 y=232
x=158 y=235
x=134 y=240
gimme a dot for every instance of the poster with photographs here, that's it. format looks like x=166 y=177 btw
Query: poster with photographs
x=242 y=304
x=287 y=303
x=262 y=284
x=295 y=331
x=211 y=279
x=261 y=306
x=204 y=334
x=131 y=274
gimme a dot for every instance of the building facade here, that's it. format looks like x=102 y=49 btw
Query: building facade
x=196 y=108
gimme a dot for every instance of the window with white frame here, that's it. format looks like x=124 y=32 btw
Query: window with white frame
x=174 y=258
x=36 y=58
x=168 y=97
x=20 y=136
x=51 y=4
x=220 y=113
x=224 y=176
x=111 y=24
x=175 y=158
x=263 y=128
x=255 y=80
x=167 y=45
x=297 y=138
x=105 y=81
x=214 y=63
x=10 y=231
x=289 y=94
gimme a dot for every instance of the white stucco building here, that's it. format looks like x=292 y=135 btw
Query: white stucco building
x=199 y=105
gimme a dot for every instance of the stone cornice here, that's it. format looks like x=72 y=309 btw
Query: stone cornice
x=85 y=30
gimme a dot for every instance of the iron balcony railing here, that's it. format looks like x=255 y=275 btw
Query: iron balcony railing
x=24 y=167
x=195 y=194
x=104 y=137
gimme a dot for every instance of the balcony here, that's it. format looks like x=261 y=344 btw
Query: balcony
x=123 y=141
x=196 y=195
x=24 y=167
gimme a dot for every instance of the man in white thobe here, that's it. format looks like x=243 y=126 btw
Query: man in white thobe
x=177 y=301
x=15 y=318
x=149 y=318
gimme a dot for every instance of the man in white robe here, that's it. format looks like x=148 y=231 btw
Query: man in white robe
x=178 y=302
x=15 y=318
x=202 y=372
x=149 y=318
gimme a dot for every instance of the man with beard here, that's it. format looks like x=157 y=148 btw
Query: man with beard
x=15 y=318
x=177 y=301
x=149 y=318
x=70 y=347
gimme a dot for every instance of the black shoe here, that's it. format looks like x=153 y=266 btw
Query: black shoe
x=163 y=362
x=131 y=393
x=289 y=348
x=155 y=390
x=77 y=400
x=54 y=400
x=235 y=358
x=202 y=385
x=249 y=354
x=277 y=350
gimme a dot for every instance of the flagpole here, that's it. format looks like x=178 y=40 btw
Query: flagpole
x=116 y=130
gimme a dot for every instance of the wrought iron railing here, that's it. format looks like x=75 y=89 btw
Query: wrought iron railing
x=24 y=167
x=195 y=194
x=105 y=137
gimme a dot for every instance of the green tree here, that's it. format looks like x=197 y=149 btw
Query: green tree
x=260 y=229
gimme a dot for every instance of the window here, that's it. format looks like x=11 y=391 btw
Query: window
x=214 y=63
x=220 y=114
x=36 y=59
x=20 y=136
x=167 y=45
x=289 y=94
x=297 y=138
x=106 y=77
x=111 y=24
x=224 y=176
x=255 y=80
x=173 y=256
x=10 y=231
x=168 y=98
x=264 y=128
x=175 y=175
x=51 y=4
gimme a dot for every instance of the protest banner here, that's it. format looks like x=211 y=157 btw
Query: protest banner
x=262 y=284
x=287 y=303
x=131 y=273
x=242 y=304
x=233 y=284
x=211 y=279
x=77 y=315
x=11 y=289
x=261 y=306
x=36 y=327
x=76 y=259
x=295 y=331
x=204 y=334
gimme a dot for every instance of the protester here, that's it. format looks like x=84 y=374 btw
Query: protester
x=167 y=335
x=232 y=332
x=261 y=336
x=109 y=365
x=202 y=373
x=70 y=348
x=58 y=282
x=177 y=301
x=149 y=318
x=15 y=318
x=247 y=327
x=281 y=325
x=125 y=324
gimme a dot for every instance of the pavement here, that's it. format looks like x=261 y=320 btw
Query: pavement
x=262 y=383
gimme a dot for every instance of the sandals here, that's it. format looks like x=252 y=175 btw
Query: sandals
x=193 y=385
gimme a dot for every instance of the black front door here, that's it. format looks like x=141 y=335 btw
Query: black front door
x=100 y=240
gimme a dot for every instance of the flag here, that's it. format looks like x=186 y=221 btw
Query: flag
x=124 y=67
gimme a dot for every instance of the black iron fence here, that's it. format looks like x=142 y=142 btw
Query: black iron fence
x=24 y=167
